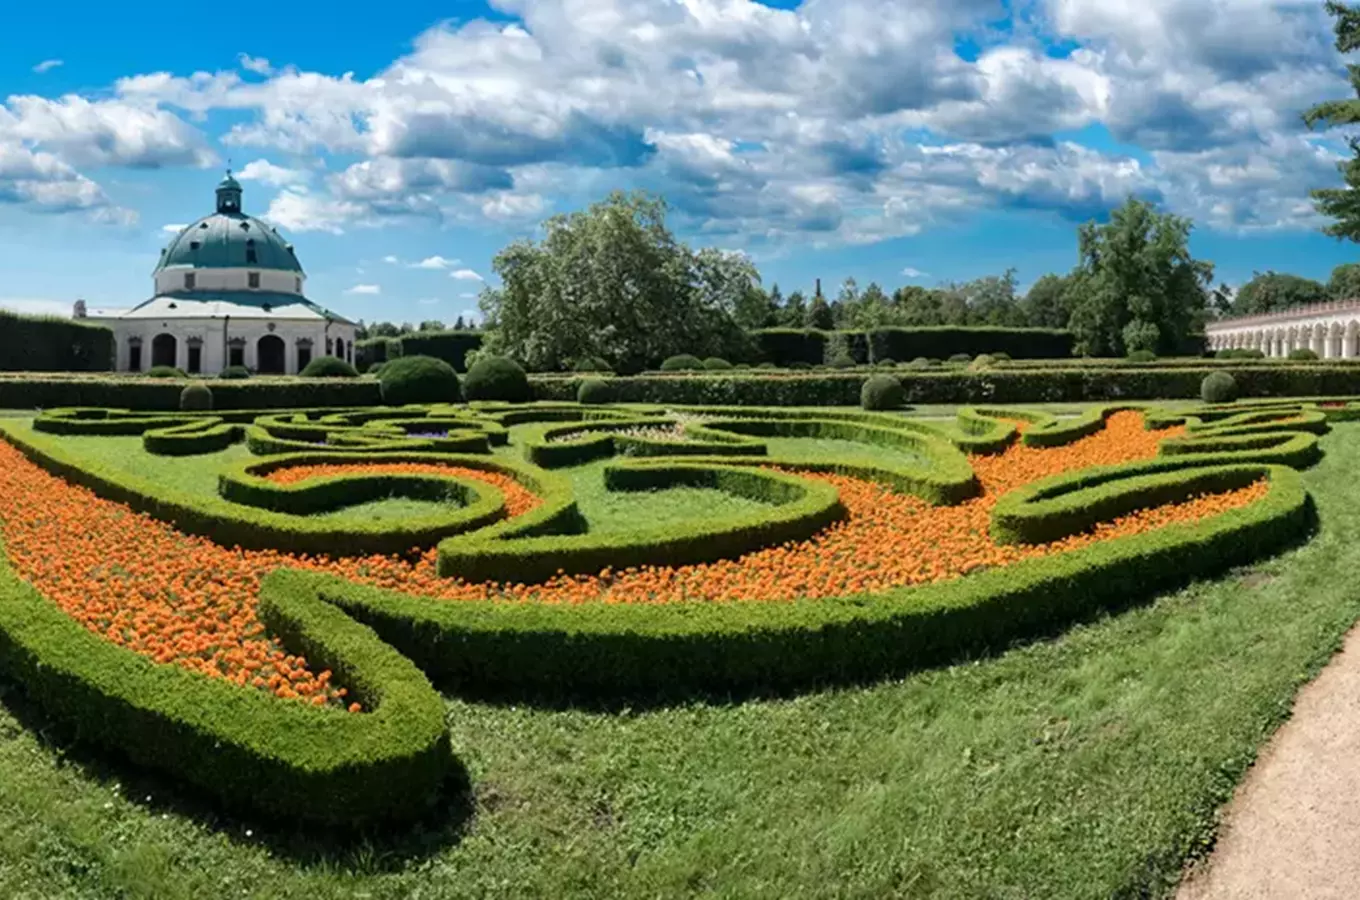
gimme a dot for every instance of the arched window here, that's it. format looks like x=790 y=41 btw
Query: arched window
x=250 y=250
x=188 y=281
x=164 y=350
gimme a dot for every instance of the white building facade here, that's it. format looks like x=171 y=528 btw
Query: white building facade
x=228 y=292
x=1331 y=330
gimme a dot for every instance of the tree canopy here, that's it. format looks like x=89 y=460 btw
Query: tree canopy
x=613 y=282
x=1273 y=291
x=1342 y=205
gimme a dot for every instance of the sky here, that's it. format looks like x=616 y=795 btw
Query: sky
x=900 y=141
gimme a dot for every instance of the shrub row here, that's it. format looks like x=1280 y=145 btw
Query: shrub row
x=247 y=748
x=452 y=347
x=51 y=344
x=785 y=346
x=677 y=649
x=804 y=508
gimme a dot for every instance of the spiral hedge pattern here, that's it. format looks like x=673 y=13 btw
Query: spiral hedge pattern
x=285 y=661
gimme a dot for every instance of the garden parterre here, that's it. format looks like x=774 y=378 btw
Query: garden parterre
x=181 y=599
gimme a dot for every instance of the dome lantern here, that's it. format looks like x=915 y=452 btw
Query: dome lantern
x=229 y=195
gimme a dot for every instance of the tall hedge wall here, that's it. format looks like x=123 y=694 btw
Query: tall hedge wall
x=450 y=346
x=50 y=344
x=783 y=346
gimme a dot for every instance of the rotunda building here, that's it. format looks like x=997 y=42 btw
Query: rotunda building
x=228 y=291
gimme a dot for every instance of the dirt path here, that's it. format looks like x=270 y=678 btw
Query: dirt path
x=1293 y=827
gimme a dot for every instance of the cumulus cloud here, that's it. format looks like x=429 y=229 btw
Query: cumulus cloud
x=913 y=272
x=43 y=183
x=465 y=275
x=174 y=228
x=257 y=64
x=276 y=176
x=296 y=209
x=364 y=289
x=432 y=262
x=103 y=132
x=48 y=65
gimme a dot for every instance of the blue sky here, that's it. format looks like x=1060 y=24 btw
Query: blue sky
x=889 y=141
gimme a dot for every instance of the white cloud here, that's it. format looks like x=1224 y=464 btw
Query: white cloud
x=295 y=209
x=276 y=176
x=912 y=272
x=174 y=228
x=465 y=275
x=104 y=132
x=469 y=295
x=47 y=65
x=257 y=64
x=390 y=259
x=41 y=182
x=364 y=289
x=433 y=262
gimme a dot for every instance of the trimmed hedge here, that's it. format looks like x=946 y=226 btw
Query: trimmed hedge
x=418 y=379
x=804 y=508
x=497 y=378
x=329 y=367
x=245 y=747
x=1218 y=387
x=452 y=347
x=785 y=346
x=882 y=392
x=52 y=344
x=197 y=397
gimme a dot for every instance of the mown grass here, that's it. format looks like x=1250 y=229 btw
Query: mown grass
x=1089 y=765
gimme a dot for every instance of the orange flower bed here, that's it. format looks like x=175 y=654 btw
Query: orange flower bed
x=518 y=499
x=184 y=600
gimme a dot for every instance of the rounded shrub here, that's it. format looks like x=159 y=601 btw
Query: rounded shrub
x=329 y=367
x=716 y=364
x=1218 y=387
x=418 y=379
x=767 y=365
x=882 y=392
x=592 y=364
x=1001 y=357
x=165 y=372
x=982 y=361
x=684 y=362
x=1301 y=353
x=497 y=378
x=919 y=362
x=841 y=361
x=886 y=363
x=234 y=373
x=196 y=397
x=594 y=390
x=961 y=358
x=1142 y=356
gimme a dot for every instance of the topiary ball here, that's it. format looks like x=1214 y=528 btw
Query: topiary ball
x=594 y=390
x=329 y=367
x=1218 y=387
x=1001 y=357
x=716 y=364
x=1299 y=353
x=196 y=397
x=165 y=372
x=684 y=362
x=497 y=378
x=1142 y=356
x=841 y=361
x=418 y=379
x=882 y=392
x=234 y=373
x=960 y=358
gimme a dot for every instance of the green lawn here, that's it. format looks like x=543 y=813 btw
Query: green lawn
x=1090 y=765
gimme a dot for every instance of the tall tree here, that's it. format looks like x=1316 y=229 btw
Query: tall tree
x=1273 y=291
x=460 y=325
x=1345 y=282
x=1136 y=284
x=916 y=305
x=795 y=312
x=384 y=329
x=1342 y=205
x=1047 y=303
x=819 y=314
x=432 y=325
x=613 y=282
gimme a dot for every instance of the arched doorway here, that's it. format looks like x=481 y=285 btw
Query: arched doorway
x=164 y=349
x=271 y=353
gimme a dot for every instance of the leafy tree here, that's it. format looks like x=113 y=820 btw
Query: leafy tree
x=1342 y=205
x=612 y=282
x=988 y=301
x=384 y=329
x=1345 y=282
x=795 y=311
x=460 y=325
x=1272 y=291
x=819 y=314
x=1136 y=270
x=407 y=328
x=845 y=308
x=916 y=305
x=755 y=308
x=432 y=325
x=1047 y=304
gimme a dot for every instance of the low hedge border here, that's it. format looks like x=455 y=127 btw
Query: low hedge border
x=232 y=524
x=803 y=508
x=547 y=449
x=1286 y=448
x=677 y=649
x=247 y=748
x=192 y=438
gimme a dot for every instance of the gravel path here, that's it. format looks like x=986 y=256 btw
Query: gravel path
x=1293 y=827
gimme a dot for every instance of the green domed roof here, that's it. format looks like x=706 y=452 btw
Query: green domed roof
x=229 y=239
